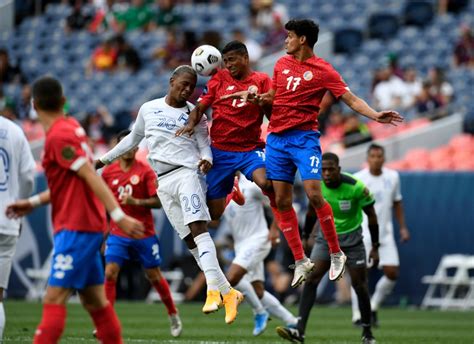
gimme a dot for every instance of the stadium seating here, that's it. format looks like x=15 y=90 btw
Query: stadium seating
x=418 y=13
x=347 y=40
x=383 y=25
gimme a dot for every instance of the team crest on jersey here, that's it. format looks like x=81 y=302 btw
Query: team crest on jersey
x=68 y=152
x=253 y=89
x=308 y=75
x=115 y=182
x=134 y=179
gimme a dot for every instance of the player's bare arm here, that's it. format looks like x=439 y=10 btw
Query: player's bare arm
x=193 y=119
x=152 y=202
x=131 y=226
x=360 y=106
x=374 y=234
x=23 y=207
x=400 y=216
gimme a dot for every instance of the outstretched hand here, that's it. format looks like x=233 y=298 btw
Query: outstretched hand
x=186 y=130
x=389 y=117
x=19 y=209
x=244 y=95
x=204 y=166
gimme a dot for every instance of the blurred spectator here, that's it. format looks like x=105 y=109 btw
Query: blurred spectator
x=464 y=50
x=412 y=87
x=176 y=51
x=99 y=126
x=212 y=37
x=355 y=132
x=392 y=60
x=167 y=15
x=8 y=72
x=389 y=91
x=276 y=35
x=265 y=12
x=104 y=18
x=138 y=16
x=453 y=6
x=23 y=107
x=127 y=57
x=254 y=48
x=441 y=89
x=7 y=107
x=79 y=18
x=335 y=127
x=104 y=57
x=426 y=102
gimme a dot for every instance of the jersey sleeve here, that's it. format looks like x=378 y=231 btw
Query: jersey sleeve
x=334 y=83
x=397 y=194
x=129 y=142
x=203 y=140
x=212 y=86
x=27 y=167
x=68 y=152
x=363 y=194
x=151 y=182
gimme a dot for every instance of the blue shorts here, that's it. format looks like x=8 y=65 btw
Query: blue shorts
x=76 y=263
x=291 y=150
x=220 y=178
x=147 y=250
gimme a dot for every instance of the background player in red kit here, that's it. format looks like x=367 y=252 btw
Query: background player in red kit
x=134 y=185
x=300 y=81
x=78 y=197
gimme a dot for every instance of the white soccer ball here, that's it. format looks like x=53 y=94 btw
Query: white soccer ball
x=206 y=59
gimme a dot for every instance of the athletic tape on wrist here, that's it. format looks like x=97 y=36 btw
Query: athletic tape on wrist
x=35 y=200
x=117 y=214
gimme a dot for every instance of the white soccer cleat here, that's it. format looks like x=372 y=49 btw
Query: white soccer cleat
x=338 y=265
x=302 y=270
x=176 y=326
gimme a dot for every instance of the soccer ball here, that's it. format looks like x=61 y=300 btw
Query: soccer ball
x=205 y=59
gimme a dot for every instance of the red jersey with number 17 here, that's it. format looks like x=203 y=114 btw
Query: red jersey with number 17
x=300 y=87
x=235 y=124
x=139 y=182
x=74 y=206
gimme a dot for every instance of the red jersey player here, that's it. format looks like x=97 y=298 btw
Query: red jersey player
x=134 y=185
x=78 y=197
x=300 y=82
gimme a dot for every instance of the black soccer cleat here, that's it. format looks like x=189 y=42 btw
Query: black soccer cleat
x=368 y=339
x=291 y=334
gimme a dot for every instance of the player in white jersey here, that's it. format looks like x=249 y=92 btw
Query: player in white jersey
x=17 y=173
x=181 y=164
x=384 y=184
x=249 y=230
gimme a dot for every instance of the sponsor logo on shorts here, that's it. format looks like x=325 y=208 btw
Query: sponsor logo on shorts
x=360 y=262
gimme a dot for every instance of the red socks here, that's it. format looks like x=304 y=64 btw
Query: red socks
x=110 y=290
x=107 y=325
x=163 y=289
x=288 y=223
x=326 y=219
x=52 y=324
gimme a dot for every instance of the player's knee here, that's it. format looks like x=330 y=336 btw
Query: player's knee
x=111 y=274
x=316 y=198
x=283 y=203
x=259 y=289
x=154 y=275
x=392 y=274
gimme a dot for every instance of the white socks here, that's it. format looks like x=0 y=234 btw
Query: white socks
x=275 y=308
x=250 y=295
x=210 y=265
x=195 y=253
x=2 y=321
x=383 y=288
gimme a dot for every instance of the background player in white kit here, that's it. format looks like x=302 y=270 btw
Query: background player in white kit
x=384 y=184
x=17 y=173
x=181 y=163
x=249 y=230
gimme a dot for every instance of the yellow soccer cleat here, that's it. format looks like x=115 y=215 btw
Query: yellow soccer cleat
x=231 y=302
x=213 y=302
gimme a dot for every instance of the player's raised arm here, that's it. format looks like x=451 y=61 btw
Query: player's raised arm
x=100 y=189
x=129 y=142
x=359 y=105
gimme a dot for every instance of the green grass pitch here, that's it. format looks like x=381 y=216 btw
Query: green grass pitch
x=148 y=323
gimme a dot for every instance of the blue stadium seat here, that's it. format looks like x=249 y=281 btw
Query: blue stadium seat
x=418 y=13
x=382 y=25
x=347 y=41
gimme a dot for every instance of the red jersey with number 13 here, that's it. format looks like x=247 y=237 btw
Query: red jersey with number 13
x=74 y=205
x=139 y=182
x=235 y=124
x=300 y=87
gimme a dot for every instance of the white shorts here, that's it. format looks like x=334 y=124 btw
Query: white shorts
x=388 y=252
x=250 y=254
x=7 y=251
x=183 y=196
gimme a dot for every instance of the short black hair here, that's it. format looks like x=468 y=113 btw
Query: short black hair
x=122 y=134
x=331 y=157
x=183 y=69
x=47 y=94
x=304 y=27
x=237 y=46
x=375 y=146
